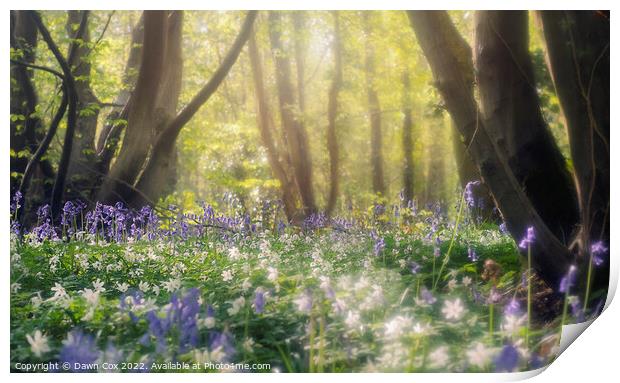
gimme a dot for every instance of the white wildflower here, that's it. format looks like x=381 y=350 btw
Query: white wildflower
x=479 y=355
x=122 y=287
x=98 y=286
x=353 y=320
x=172 y=285
x=439 y=357
x=227 y=275
x=38 y=343
x=272 y=274
x=397 y=326
x=453 y=309
x=144 y=286
x=237 y=304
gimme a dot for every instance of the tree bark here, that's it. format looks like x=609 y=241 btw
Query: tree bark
x=25 y=134
x=578 y=50
x=83 y=157
x=374 y=112
x=296 y=136
x=161 y=183
x=513 y=119
x=332 y=116
x=408 y=165
x=265 y=125
x=141 y=116
x=484 y=208
x=116 y=120
x=160 y=159
x=450 y=60
x=69 y=87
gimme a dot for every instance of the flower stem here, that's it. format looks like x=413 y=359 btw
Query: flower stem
x=529 y=296
x=456 y=228
x=588 y=281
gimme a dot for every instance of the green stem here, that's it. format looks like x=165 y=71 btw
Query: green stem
x=456 y=228
x=529 y=296
x=321 y=343
x=311 y=359
x=588 y=281
x=491 y=314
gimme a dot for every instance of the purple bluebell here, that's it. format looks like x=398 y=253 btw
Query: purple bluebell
x=568 y=280
x=472 y=255
x=427 y=296
x=414 y=267
x=469 y=193
x=259 y=301
x=529 y=238
x=78 y=348
x=598 y=249
x=512 y=308
x=507 y=360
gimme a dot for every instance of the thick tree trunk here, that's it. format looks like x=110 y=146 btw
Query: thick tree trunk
x=450 y=60
x=408 y=165
x=374 y=112
x=83 y=156
x=25 y=126
x=265 y=125
x=332 y=116
x=161 y=183
x=160 y=160
x=484 y=208
x=296 y=136
x=513 y=118
x=578 y=49
x=141 y=118
x=116 y=120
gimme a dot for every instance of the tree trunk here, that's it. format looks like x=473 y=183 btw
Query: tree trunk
x=141 y=118
x=296 y=136
x=160 y=160
x=374 y=112
x=161 y=183
x=25 y=125
x=450 y=60
x=116 y=120
x=484 y=208
x=83 y=156
x=264 y=120
x=578 y=49
x=408 y=166
x=69 y=89
x=332 y=116
x=513 y=118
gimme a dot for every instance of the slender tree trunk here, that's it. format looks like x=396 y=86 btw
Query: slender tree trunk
x=374 y=111
x=513 y=118
x=141 y=118
x=450 y=60
x=578 y=49
x=265 y=125
x=332 y=116
x=408 y=165
x=296 y=136
x=83 y=156
x=69 y=88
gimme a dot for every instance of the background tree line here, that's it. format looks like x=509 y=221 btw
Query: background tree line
x=325 y=111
